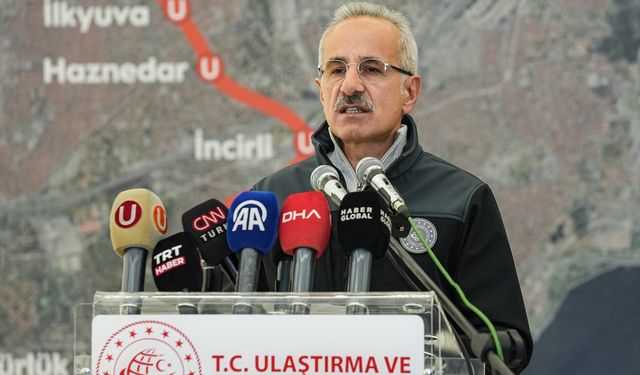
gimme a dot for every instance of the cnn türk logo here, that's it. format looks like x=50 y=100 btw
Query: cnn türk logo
x=211 y=218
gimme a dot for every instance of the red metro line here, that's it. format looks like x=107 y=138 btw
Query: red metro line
x=210 y=68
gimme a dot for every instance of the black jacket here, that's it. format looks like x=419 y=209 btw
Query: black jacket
x=471 y=240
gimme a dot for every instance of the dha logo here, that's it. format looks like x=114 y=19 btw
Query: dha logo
x=60 y=14
x=304 y=215
x=128 y=214
x=249 y=214
x=259 y=147
x=148 y=347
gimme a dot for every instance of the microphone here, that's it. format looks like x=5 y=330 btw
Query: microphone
x=415 y=276
x=284 y=264
x=253 y=222
x=325 y=178
x=364 y=230
x=305 y=227
x=176 y=268
x=206 y=226
x=137 y=222
x=369 y=171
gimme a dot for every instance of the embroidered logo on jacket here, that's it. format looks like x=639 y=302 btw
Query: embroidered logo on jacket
x=412 y=243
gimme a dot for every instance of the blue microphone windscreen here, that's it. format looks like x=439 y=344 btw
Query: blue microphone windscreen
x=253 y=221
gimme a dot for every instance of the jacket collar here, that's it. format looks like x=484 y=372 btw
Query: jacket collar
x=410 y=154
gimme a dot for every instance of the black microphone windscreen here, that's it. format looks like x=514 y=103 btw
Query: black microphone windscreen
x=175 y=265
x=206 y=226
x=362 y=223
x=277 y=254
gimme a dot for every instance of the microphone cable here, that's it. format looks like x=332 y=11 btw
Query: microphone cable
x=463 y=297
x=465 y=352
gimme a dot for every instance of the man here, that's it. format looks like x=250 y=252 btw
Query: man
x=368 y=86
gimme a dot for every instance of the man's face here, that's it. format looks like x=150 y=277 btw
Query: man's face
x=376 y=116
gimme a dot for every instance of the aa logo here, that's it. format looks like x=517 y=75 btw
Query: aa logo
x=160 y=218
x=148 y=347
x=128 y=214
x=249 y=215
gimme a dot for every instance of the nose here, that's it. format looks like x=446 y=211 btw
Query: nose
x=352 y=82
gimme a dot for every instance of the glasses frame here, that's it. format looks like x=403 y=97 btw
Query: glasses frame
x=386 y=67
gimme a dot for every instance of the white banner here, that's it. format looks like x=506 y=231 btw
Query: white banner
x=257 y=344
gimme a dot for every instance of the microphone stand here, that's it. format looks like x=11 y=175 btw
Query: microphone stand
x=134 y=261
x=247 y=281
x=359 y=278
x=481 y=344
x=302 y=279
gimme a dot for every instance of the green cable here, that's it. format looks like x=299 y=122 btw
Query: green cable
x=480 y=314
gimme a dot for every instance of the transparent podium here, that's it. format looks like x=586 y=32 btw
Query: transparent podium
x=442 y=354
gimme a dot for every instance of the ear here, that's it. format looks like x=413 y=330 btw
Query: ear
x=319 y=84
x=411 y=88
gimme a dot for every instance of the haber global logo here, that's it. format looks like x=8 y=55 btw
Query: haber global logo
x=148 y=347
x=128 y=214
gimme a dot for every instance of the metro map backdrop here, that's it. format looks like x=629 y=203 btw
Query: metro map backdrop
x=199 y=99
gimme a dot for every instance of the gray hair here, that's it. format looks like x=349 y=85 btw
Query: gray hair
x=407 y=47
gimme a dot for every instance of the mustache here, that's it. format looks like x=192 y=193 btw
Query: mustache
x=357 y=99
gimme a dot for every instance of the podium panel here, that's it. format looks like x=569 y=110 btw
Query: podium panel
x=266 y=333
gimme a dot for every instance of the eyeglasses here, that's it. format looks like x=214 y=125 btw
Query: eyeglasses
x=369 y=70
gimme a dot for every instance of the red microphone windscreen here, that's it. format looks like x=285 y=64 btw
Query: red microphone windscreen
x=305 y=221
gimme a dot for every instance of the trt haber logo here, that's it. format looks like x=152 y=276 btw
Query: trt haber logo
x=148 y=347
x=249 y=215
x=128 y=214
x=167 y=260
x=160 y=218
